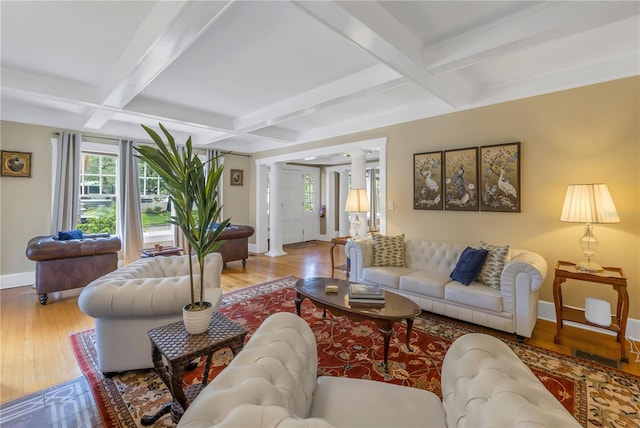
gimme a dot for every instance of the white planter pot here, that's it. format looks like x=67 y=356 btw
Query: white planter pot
x=197 y=322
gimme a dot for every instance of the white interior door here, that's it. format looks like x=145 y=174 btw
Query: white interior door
x=292 y=205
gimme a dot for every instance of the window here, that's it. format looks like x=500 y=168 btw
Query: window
x=154 y=205
x=97 y=193
x=309 y=192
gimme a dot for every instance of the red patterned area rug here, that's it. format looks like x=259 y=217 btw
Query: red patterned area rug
x=596 y=395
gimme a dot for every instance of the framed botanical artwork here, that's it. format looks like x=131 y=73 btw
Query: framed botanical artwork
x=16 y=164
x=461 y=179
x=500 y=178
x=427 y=181
x=236 y=177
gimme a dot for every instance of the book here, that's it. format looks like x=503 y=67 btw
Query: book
x=366 y=302
x=363 y=291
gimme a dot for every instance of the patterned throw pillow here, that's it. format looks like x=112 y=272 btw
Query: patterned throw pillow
x=469 y=264
x=388 y=250
x=494 y=264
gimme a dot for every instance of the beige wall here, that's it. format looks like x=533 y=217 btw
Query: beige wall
x=236 y=198
x=25 y=209
x=589 y=134
x=583 y=135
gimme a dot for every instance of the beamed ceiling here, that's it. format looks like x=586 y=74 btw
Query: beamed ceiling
x=249 y=76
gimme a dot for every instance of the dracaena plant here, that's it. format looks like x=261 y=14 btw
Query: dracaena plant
x=193 y=191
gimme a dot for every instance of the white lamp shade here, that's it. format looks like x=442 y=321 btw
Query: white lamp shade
x=357 y=201
x=589 y=203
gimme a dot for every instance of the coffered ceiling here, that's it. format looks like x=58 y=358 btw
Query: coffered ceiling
x=249 y=76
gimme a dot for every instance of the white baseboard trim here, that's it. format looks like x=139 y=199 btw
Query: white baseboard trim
x=253 y=248
x=547 y=311
x=14 y=280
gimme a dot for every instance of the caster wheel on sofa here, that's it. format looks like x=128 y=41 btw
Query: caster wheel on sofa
x=43 y=298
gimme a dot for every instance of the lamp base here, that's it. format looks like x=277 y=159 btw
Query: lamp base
x=588 y=266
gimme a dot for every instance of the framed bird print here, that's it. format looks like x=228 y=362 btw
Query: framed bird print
x=427 y=181
x=461 y=179
x=500 y=178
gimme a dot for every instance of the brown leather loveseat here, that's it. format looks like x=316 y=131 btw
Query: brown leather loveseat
x=67 y=264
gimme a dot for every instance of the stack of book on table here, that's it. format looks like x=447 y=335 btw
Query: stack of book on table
x=366 y=294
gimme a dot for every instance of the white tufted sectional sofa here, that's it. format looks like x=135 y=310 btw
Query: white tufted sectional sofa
x=133 y=299
x=272 y=382
x=425 y=279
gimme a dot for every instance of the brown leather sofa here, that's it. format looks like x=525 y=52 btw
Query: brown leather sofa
x=236 y=243
x=74 y=263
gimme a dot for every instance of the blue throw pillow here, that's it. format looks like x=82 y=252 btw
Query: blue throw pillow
x=70 y=234
x=469 y=265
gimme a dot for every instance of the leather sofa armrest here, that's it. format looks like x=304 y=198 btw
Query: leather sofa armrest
x=360 y=254
x=484 y=383
x=43 y=248
x=524 y=262
x=113 y=297
x=278 y=366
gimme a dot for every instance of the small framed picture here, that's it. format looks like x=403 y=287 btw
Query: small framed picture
x=236 y=177
x=461 y=179
x=500 y=178
x=427 y=181
x=16 y=164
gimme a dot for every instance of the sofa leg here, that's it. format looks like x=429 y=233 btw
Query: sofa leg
x=244 y=263
x=109 y=374
x=43 y=298
x=520 y=338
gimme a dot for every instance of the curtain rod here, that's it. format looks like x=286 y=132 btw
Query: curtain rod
x=57 y=134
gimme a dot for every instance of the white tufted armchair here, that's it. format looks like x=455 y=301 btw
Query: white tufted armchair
x=130 y=301
x=272 y=383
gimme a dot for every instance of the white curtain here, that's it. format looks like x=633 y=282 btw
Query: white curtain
x=129 y=226
x=66 y=194
x=179 y=240
x=214 y=159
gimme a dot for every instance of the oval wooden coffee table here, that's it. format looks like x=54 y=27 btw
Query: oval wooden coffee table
x=396 y=307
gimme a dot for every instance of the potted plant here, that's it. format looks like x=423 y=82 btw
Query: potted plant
x=192 y=188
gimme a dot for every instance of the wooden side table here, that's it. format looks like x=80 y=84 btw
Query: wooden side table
x=612 y=276
x=180 y=348
x=340 y=240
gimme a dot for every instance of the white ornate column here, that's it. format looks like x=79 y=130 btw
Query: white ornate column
x=275 y=220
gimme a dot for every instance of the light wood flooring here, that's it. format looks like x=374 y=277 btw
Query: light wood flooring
x=35 y=350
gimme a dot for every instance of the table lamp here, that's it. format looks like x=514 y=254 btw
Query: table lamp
x=589 y=203
x=357 y=202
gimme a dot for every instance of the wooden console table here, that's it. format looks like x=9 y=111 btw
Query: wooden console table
x=612 y=276
x=340 y=240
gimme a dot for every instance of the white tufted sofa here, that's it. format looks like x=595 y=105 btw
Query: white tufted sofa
x=145 y=294
x=272 y=383
x=425 y=279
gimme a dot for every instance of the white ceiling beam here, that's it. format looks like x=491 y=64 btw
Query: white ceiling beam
x=562 y=78
x=531 y=27
x=371 y=27
x=47 y=87
x=169 y=30
x=326 y=95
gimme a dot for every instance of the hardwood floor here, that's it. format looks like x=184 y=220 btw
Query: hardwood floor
x=36 y=351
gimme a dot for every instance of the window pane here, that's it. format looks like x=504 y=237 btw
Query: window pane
x=97 y=193
x=154 y=204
